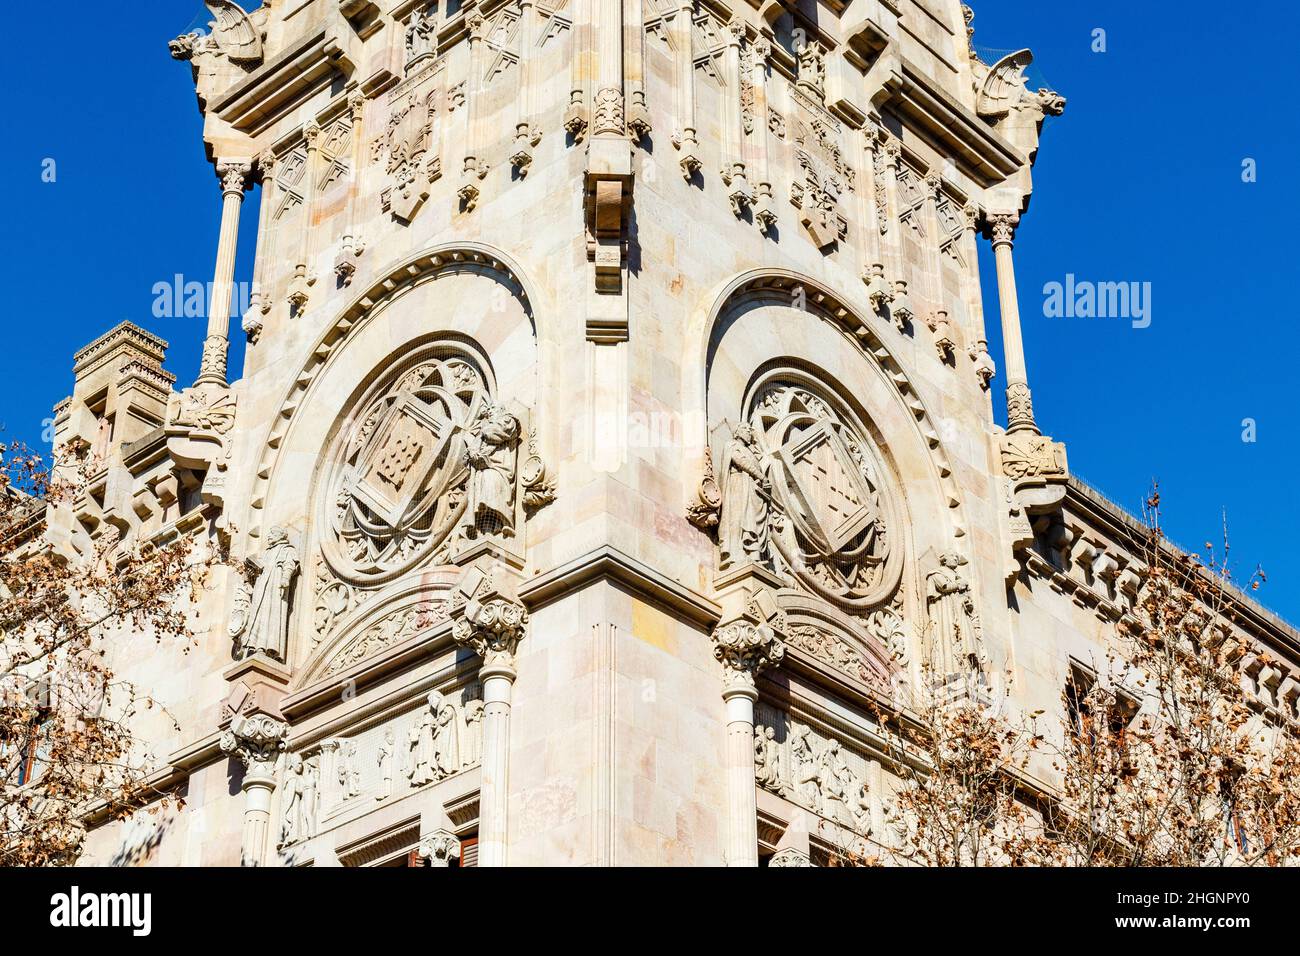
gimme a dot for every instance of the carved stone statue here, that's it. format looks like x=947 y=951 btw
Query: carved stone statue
x=260 y=622
x=954 y=622
x=768 y=771
x=387 y=748
x=472 y=744
x=491 y=449
x=434 y=742
x=446 y=740
x=746 y=492
x=300 y=798
x=349 y=773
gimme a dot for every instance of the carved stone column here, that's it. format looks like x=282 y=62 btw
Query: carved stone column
x=257 y=741
x=765 y=205
x=345 y=263
x=492 y=626
x=474 y=168
x=733 y=171
x=234 y=180
x=1034 y=465
x=259 y=303
x=745 y=646
x=303 y=277
x=526 y=136
x=684 y=39
x=1020 y=406
x=985 y=368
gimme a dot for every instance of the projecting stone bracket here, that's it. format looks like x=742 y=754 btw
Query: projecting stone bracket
x=1036 y=473
x=608 y=203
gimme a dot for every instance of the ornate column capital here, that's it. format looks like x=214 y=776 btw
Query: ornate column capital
x=234 y=176
x=750 y=644
x=1002 y=228
x=257 y=742
x=439 y=849
x=311 y=136
x=762 y=49
x=735 y=32
x=489 y=622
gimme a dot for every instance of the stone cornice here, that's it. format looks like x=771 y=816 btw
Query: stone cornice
x=609 y=563
x=1086 y=502
x=127 y=337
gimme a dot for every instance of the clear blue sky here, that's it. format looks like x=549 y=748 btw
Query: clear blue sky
x=1139 y=181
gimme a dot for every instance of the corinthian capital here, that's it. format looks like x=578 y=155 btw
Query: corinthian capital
x=234 y=177
x=492 y=627
x=1002 y=228
x=750 y=644
x=257 y=741
x=440 y=848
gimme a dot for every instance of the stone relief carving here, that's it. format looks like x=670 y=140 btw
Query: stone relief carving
x=349 y=774
x=412 y=158
x=259 y=623
x=388 y=632
x=821 y=774
x=803 y=494
x=300 y=799
x=824 y=174
x=387 y=755
x=430 y=462
x=443 y=739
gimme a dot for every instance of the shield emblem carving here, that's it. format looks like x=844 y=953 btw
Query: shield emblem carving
x=409 y=447
x=830 y=499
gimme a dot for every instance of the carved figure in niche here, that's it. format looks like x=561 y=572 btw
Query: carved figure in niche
x=419 y=767
x=446 y=741
x=387 y=750
x=954 y=621
x=768 y=771
x=470 y=752
x=300 y=790
x=491 y=449
x=832 y=776
x=349 y=773
x=746 y=497
x=862 y=812
x=804 y=766
x=260 y=622
x=434 y=742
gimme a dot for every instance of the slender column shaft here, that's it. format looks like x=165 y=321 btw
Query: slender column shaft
x=766 y=213
x=257 y=819
x=742 y=806
x=217 y=342
x=683 y=39
x=498 y=689
x=1020 y=410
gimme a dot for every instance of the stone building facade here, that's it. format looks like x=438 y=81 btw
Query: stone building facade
x=615 y=431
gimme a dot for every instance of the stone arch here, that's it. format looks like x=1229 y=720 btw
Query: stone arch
x=356 y=322
x=760 y=305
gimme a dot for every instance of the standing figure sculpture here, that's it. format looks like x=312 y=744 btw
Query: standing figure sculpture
x=260 y=622
x=954 y=621
x=385 y=758
x=746 y=491
x=446 y=740
x=491 y=450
